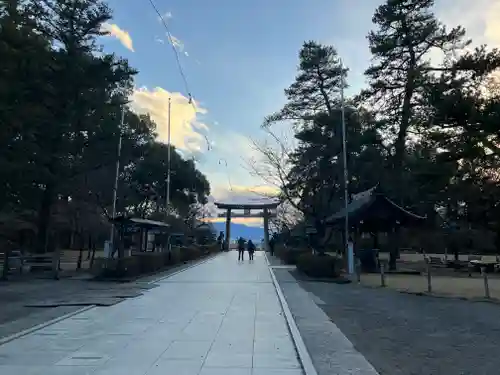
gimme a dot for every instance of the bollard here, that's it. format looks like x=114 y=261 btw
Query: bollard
x=485 y=279
x=358 y=270
x=429 y=278
x=382 y=274
x=79 y=261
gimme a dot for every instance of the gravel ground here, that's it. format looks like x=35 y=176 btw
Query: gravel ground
x=330 y=351
x=403 y=334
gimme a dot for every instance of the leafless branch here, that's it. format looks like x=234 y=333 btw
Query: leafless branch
x=273 y=166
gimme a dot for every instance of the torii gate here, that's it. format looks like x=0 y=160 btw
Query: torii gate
x=267 y=205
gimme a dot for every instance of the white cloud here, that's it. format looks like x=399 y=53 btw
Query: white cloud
x=185 y=126
x=165 y=16
x=492 y=29
x=480 y=20
x=115 y=31
x=177 y=43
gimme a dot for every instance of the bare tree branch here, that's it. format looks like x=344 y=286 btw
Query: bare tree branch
x=273 y=166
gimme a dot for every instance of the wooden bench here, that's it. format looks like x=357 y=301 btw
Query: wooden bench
x=71 y=259
x=435 y=261
x=16 y=261
x=475 y=258
x=38 y=262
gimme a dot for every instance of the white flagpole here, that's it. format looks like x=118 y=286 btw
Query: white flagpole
x=115 y=189
x=348 y=248
x=167 y=205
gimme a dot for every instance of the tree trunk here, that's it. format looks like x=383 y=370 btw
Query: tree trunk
x=56 y=259
x=393 y=249
x=318 y=240
x=72 y=238
x=92 y=257
x=89 y=246
x=406 y=112
x=44 y=219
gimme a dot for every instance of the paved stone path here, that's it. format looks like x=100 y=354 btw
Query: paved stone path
x=220 y=317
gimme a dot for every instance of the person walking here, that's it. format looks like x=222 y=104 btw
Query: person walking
x=220 y=241
x=241 y=248
x=251 y=249
x=271 y=245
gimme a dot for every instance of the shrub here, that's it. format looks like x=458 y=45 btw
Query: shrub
x=190 y=253
x=150 y=262
x=124 y=267
x=324 y=266
x=213 y=248
x=207 y=249
x=280 y=251
x=175 y=255
x=291 y=255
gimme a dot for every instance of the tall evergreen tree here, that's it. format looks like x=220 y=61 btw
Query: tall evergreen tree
x=316 y=89
x=407 y=32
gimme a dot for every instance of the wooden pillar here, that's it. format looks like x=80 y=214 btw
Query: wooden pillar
x=266 y=229
x=228 y=228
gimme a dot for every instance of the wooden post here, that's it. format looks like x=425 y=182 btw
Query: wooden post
x=358 y=270
x=429 y=277
x=228 y=228
x=92 y=256
x=80 y=256
x=485 y=279
x=89 y=246
x=266 y=229
x=382 y=274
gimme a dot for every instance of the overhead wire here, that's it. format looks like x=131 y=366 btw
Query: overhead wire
x=227 y=173
x=178 y=61
x=176 y=53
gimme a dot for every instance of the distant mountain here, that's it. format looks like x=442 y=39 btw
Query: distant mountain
x=241 y=230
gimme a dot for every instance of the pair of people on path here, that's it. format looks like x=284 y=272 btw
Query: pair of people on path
x=241 y=248
x=220 y=241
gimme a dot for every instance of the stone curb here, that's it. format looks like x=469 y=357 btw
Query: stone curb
x=305 y=357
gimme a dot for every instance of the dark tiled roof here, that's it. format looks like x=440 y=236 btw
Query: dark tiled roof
x=361 y=203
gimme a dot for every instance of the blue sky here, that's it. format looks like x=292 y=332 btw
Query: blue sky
x=238 y=57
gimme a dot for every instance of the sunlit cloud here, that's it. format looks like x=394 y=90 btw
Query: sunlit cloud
x=115 y=31
x=177 y=43
x=249 y=221
x=186 y=128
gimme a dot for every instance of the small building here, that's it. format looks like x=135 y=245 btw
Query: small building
x=372 y=212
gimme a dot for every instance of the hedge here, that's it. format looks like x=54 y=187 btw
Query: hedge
x=322 y=266
x=290 y=255
x=149 y=262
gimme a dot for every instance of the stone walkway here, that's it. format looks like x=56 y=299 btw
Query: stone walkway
x=220 y=317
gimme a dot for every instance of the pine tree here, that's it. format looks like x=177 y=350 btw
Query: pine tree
x=407 y=32
x=316 y=89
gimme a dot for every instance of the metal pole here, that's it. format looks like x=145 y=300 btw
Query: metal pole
x=167 y=205
x=117 y=173
x=346 y=179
